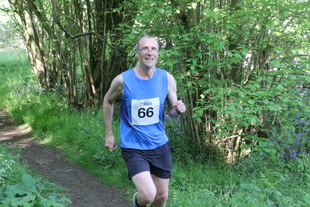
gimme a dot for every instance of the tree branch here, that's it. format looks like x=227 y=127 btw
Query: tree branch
x=68 y=35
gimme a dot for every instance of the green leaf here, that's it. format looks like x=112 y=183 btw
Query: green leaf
x=15 y=190
x=280 y=87
x=29 y=198
x=51 y=201
x=250 y=186
x=252 y=102
x=253 y=120
x=28 y=183
x=276 y=63
x=278 y=34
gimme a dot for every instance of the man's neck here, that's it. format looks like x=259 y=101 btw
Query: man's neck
x=144 y=73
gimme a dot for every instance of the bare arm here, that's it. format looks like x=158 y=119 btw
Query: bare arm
x=175 y=106
x=115 y=91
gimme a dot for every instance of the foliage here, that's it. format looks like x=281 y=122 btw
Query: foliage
x=10 y=37
x=241 y=67
x=244 y=184
x=78 y=132
x=236 y=62
x=61 y=45
x=269 y=176
x=29 y=193
x=229 y=65
x=291 y=143
x=237 y=81
x=183 y=149
x=19 y=188
x=107 y=160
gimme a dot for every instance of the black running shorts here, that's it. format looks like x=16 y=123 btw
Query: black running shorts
x=157 y=161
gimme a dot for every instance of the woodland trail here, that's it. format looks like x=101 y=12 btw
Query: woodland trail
x=83 y=188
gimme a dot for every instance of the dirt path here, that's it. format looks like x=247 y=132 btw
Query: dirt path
x=84 y=189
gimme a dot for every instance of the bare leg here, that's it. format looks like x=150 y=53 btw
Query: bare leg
x=146 y=188
x=161 y=191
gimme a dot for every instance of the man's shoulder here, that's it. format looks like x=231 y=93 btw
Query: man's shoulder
x=130 y=70
x=128 y=73
x=162 y=71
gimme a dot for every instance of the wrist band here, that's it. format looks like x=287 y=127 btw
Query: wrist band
x=177 y=111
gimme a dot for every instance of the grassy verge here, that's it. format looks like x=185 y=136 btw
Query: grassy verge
x=263 y=179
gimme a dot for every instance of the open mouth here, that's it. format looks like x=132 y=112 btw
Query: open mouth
x=149 y=59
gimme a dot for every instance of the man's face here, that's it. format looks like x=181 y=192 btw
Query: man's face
x=148 y=52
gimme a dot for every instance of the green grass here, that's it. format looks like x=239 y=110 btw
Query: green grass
x=198 y=180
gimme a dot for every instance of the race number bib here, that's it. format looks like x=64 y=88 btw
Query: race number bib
x=145 y=112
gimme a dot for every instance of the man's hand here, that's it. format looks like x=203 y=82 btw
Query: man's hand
x=180 y=107
x=110 y=143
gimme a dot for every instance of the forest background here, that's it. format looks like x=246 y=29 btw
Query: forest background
x=241 y=67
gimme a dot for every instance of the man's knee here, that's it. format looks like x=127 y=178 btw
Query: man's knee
x=162 y=197
x=147 y=194
x=147 y=197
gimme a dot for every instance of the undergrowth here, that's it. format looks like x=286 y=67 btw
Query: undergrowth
x=18 y=188
x=276 y=173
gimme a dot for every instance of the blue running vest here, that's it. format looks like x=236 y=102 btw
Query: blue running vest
x=142 y=110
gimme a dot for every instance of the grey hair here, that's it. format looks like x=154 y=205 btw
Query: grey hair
x=145 y=36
